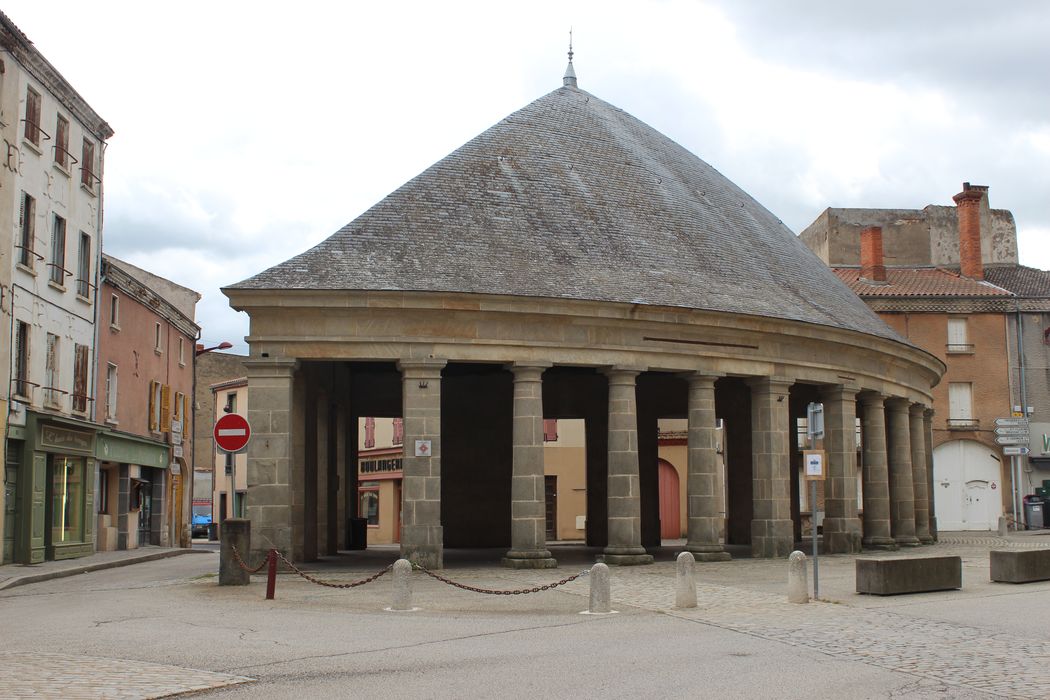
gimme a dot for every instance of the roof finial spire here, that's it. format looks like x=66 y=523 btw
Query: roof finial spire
x=569 y=80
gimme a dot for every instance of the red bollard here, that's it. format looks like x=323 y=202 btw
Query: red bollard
x=271 y=573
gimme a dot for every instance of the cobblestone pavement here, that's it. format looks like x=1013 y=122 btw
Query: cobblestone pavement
x=37 y=675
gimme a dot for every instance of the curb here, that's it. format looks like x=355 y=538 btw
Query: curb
x=100 y=566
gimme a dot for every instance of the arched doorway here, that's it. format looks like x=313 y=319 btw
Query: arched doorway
x=967 y=483
x=670 y=508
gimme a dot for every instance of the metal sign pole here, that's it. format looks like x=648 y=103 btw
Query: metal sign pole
x=813 y=510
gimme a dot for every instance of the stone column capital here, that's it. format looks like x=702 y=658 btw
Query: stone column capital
x=928 y=413
x=897 y=404
x=774 y=383
x=528 y=371
x=618 y=374
x=428 y=368
x=270 y=366
x=701 y=377
x=917 y=409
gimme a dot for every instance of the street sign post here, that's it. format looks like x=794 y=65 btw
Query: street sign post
x=232 y=433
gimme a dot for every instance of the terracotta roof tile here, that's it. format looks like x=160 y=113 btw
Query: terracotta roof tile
x=919 y=282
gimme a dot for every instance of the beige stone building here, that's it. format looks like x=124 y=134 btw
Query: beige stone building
x=572 y=263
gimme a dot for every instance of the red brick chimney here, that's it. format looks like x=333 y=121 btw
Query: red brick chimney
x=968 y=206
x=872 y=268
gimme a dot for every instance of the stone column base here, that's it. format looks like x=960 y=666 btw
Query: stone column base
x=539 y=559
x=884 y=543
x=841 y=536
x=627 y=556
x=772 y=539
x=907 y=541
x=708 y=552
x=926 y=539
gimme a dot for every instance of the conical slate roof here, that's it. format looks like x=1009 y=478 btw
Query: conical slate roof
x=573 y=198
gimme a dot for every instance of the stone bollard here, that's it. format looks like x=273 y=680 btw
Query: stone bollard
x=601 y=599
x=1002 y=526
x=402 y=600
x=798 y=581
x=236 y=532
x=685 y=581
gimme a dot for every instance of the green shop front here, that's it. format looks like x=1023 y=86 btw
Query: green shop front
x=51 y=460
x=134 y=487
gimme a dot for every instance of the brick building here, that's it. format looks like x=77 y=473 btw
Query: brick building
x=945 y=279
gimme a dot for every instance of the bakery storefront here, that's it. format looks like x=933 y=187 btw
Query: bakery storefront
x=379 y=495
x=56 y=479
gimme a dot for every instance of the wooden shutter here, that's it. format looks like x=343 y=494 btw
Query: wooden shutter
x=957 y=332
x=399 y=431
x=153 y=412
x=550 y=429
x=370 y=432
x=960 y=401
x=80 y=370
x=165 y=409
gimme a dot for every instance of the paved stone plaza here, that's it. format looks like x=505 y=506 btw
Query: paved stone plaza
x=742 y=640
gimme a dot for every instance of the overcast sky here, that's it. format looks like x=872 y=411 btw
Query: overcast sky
x=247 y=132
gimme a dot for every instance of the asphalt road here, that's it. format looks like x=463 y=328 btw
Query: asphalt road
x=320 y=642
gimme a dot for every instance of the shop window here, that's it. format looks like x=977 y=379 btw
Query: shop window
x=67 y=500
x=103 y=491
x=27 y=231
x=369 y=505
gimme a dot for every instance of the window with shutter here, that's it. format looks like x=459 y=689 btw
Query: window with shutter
x=399 y=431
x=26 y=217
x=32 y=120
x=62 y=142
x=960 y=405
x=550 y=429
x=111 y=392
x=370 y=432
x=84 y=266
x=154 y=405
x=52 y=394
x=22 y=385
x=87 y=165
x=165 y=408
x=58 y=250
x=80 y=378
x=958 y=341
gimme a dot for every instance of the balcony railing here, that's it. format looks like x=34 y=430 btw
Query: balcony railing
x=960 y=348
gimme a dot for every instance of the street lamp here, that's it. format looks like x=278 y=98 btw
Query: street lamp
x=224 y=345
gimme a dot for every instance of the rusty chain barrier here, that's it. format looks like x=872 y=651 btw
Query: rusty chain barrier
x=329 y=584
x=240 y=562
x=489 y=591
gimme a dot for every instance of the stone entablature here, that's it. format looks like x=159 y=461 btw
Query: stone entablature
x=478 y=328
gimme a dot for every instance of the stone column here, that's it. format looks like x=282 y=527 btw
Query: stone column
x=624 y=494
x=902 y=485
x=920 y=479
x=842 y=530
x=702 y=484
x=270 y=407
x=927 y=430
x=772 y=531
x=421 y=532
x=875 y=474
x=528 y=511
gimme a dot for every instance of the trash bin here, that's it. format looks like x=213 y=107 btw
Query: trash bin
x=356 y=533
x=1034 y=512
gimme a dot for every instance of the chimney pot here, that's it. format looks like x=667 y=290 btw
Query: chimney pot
x=968 y=208
x=872 y=267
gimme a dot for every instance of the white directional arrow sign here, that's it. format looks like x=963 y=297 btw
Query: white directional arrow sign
x=1012 y=430
x=1012 y=421
x=1012 y=439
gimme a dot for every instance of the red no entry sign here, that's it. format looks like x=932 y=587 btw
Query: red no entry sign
x=231 y=433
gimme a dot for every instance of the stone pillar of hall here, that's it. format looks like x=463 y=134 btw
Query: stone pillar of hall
x=920 y=480
x=624 y=495
x=270 y=413
x=772 y=532
x=875 y=474
x=421 y=532
x=902 y=484
x=927 y=433
x=842 y=529
x=702 y=484
x=528 y=509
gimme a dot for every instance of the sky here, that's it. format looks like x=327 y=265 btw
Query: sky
x=247 y=132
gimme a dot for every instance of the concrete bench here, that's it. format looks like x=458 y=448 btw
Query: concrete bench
x=1008 y=566
x=896 y=575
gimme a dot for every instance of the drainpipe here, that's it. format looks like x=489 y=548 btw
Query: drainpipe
x=1019 y=511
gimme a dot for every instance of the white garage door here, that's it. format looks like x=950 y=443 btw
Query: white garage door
x=967 y=485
